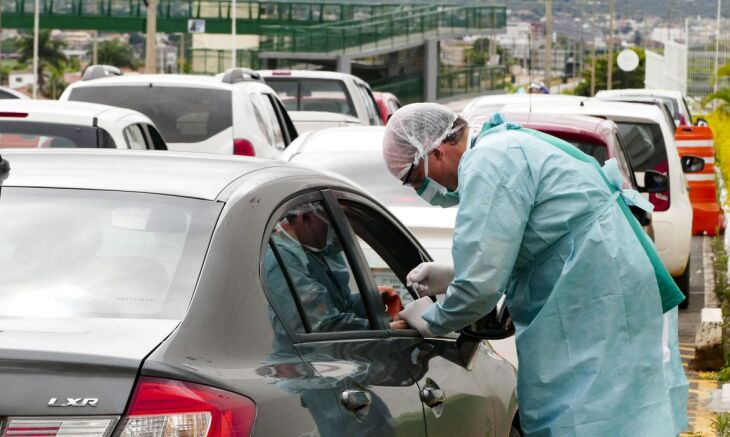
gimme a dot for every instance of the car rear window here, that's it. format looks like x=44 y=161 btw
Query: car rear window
x=85 y=253
x=18 y=134
x=644 y=145
x=323 y=95
x=182 y=114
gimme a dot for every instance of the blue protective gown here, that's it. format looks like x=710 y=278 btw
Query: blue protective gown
x=545 y=229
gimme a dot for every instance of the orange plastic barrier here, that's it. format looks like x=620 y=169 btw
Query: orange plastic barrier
x=698 y=141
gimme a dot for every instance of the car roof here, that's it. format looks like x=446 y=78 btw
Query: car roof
x=594 y=107
x=315 y=142
x=16 y=94
x=195 y=175
x=581 y=125
x=182 y=80
x=640 y=92
x=314 y=74
x=54 y=111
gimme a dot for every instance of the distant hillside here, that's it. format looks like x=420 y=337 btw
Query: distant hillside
x=630 y=8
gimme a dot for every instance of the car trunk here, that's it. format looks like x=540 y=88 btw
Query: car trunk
x=72 y=366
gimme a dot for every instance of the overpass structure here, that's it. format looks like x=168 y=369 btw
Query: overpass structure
x=335 y=31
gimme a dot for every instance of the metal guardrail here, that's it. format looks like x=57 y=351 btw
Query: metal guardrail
x=294 y=13
x=470 y=80
x=386 y=30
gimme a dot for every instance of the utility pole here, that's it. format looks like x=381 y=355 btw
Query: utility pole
x=717 y=42
x=548 y=42
x=593 y=50
x=150 y=61
x=95 y=47
x=233 y=34
x=36 y=26
x=612 y=12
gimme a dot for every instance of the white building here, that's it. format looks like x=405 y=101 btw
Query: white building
x=20 y=80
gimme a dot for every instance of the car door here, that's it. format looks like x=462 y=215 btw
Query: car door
x=330 y=312
x=467 y=389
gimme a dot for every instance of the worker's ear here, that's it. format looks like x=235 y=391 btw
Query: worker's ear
x=438 y=152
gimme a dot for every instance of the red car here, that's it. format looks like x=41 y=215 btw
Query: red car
x=387 y=104
x=594 y=136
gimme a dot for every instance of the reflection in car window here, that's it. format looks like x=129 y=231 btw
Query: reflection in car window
x=596 y=150
x=274 y=130
x=644 y=144
x=370 y=107
x=313 y=95
x=54 y=135
x=183 y=114
x=87 y=253
x=324 y=288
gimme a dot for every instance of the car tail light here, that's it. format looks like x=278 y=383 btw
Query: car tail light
x=88 y=427
x=14 y=114
x=164 y=407
x=243 y=148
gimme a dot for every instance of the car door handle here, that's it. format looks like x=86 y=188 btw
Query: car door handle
x=433 y=397
x=355 y=400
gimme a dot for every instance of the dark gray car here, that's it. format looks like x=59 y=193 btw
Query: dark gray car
x=150 y=294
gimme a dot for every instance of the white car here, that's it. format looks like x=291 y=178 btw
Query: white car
x=54 y=124
x=9 y=93
x=325 y=91
x=306 y=121
x=649 y=142
x=234 y=113
x=490 y=104
x=355 y=153
x=674 y=99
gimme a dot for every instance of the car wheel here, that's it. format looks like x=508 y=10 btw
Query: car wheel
x=682 y=282
x=515 y=432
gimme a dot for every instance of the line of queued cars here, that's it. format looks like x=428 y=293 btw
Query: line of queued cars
x=160 y=292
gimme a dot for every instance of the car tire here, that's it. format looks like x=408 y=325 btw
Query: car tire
x=682 y=282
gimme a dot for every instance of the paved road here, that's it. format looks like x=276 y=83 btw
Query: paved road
x=690 y=317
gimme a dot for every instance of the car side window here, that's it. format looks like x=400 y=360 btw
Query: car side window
x=157 y=142
x=370 y=106
x=307 y=275
x=134 y=136
x=389 y=253
x=273 y=129
x=255 y=103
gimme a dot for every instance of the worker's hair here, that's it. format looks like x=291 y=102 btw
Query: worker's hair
x=458 y=129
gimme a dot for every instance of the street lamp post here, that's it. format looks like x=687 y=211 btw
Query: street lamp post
x=548 y=41
x=36 y=25
x=233 y=34
x=612 y=12
x=593 y=50
x=150 y=61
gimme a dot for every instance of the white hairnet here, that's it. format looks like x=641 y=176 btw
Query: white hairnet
x=412 y=132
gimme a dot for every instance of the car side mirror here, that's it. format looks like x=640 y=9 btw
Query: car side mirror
x=496 y=325
x=654 y=182
x=701 y=122
x=692 y=164
x=643 y=217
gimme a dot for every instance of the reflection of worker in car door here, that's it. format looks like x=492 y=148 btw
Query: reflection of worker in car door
x=540 y=222
x=314 y=259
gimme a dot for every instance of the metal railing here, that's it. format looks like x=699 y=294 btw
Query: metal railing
x=289 y=13
x=469 y=80
x=405 y=25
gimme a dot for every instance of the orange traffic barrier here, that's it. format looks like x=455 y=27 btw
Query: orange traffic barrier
x=698 y=141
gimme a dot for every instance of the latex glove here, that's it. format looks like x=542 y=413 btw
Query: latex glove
x=412 y=315
x=430 y=278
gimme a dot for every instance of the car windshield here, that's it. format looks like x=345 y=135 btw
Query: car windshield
x=85 y=253
x=644 y=145
x=322 y=95
x=182 y=114
x=21 y=134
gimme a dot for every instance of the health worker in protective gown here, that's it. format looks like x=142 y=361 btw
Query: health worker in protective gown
x=542 y=223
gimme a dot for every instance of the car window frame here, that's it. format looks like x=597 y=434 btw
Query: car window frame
x=407 y=237
x=353 y=255
x=125 y=133
x=288 y=128
x=148 y=129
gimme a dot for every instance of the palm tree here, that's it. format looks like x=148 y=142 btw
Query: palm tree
x=722 y=95
x=49 y=54
x=113 y=52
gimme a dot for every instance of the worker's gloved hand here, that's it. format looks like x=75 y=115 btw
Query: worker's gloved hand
x=412 y=315
x=430 y=278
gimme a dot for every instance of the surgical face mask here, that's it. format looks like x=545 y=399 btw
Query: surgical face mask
x=436 y=194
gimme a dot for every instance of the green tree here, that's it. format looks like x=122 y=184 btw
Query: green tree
x=722 y=95
x=620 y=79
x=49 y=54
x=114 y=52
